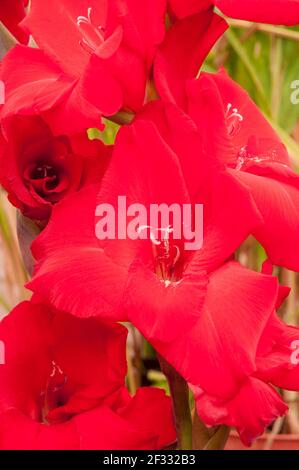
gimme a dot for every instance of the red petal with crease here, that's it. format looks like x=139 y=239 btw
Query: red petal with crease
x=51 y=92
x=277 y=355
x=265 y=406
x=240 y=132
x=165 y=312
x=230 y=215
x=98 y=429
x=188 y=7
x=276 y=193
x=181 y=55
x=91 y=284
x=56 y=32
x=284 y=12
x=25 y=333
x=237 y=306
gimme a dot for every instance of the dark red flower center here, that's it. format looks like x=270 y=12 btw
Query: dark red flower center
x=47 y=173
x=47 y=181
x=166 y=256
x=54 y=393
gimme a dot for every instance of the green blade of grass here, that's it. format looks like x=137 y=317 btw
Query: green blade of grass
x=239 y=49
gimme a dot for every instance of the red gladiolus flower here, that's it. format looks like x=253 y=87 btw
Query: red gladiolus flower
x=62 y=387
x=181 y=304
x=268 y=11
x=141 y=155
x=241 y=140
x=273 y=366
x=44 y=89
x=233 y=354
x=12 y=12
x=106 y=43
x=202 y=142
x=38 y=169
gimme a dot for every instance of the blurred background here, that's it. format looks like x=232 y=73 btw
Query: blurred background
x=264 y=59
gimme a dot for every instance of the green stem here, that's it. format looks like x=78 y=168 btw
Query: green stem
x=266 y=28
x=201 y=434
x=219 y=439
x=180 y=402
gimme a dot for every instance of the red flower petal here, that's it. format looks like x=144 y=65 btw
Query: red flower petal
x=277 y=355
x=188 y=7
x=43 y=88
x=241 y=134
x=271 y=11
x=226 y=335
x=276 y=193
x=68 y=286
x=265 y=406
x=181 y=55
x=164 y=312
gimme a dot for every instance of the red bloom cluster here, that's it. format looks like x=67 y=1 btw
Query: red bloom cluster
x=195 y=138
x=62 y=387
